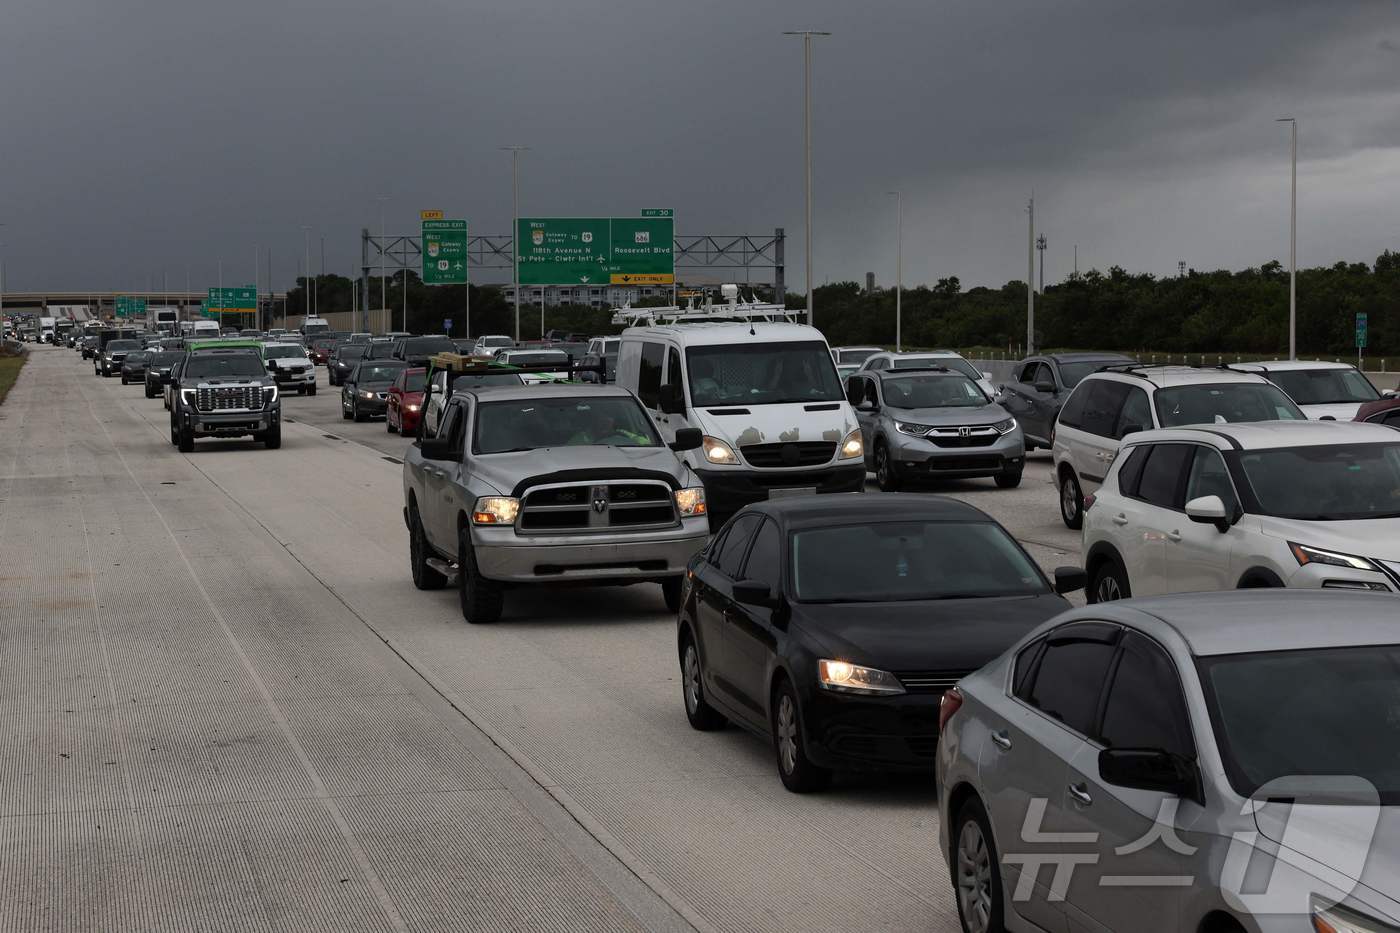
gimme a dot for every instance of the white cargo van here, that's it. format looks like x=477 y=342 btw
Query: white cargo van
x=766 y=397
x=205 y=329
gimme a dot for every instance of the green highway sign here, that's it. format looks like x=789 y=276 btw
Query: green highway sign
x=658 y=212
x=595 y=251
x=239 y=298
x=1361 y=330
x=444 y=252
x=127 y=306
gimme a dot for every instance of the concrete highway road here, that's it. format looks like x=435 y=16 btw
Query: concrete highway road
x=226 y=707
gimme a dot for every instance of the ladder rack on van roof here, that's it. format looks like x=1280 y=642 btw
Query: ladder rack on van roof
x=731 y=309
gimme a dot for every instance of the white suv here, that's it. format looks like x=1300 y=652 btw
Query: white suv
x=1323 y=390
x=1107 y=406
x=945 y=358
x=1298 y=504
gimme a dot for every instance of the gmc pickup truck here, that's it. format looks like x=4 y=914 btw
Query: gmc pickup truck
x=559 y=483
x=224 y=391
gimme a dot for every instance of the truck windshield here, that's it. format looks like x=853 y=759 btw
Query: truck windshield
x=529 y=424
x=762 y=374
x=201 y=366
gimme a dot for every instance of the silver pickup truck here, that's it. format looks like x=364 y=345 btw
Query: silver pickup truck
x=549 y=484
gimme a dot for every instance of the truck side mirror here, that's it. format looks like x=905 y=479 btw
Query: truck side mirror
x=438 y=448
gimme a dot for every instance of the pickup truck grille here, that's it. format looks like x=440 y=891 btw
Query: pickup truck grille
x=229 y=398
x=597 y=507
x=793 y=454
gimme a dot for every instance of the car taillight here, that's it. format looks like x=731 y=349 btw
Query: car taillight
x=948 y=704
x=1088 y=501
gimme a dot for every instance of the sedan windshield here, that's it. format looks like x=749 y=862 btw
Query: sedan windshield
x=762 y=374
x=1325 y=386
x=378 y=372
x=1071 y=373
x=351 y=351
x=894 y=561
x=1326 y=483
x=1223 y=403
x=527 y=424
x=284 y=353
x=1343 y=715
x=136 y=356
x=933 y=391
x=223 y=365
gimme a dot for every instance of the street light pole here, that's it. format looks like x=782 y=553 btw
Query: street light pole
x=306 y=282
x=898 y=271
x=807 y=35
x=1040 y=244
x=383 y=302
x=1030 y=278
x=515 y=228
x=1293 y=244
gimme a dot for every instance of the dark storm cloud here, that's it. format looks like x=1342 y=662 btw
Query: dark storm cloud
x=142 y=138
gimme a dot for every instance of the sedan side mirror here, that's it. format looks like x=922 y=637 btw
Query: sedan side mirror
x=1389 y=393
x=1209 y=510
x=1069 y=579
x=1149 y=769
x=754 y=593
x=687 y=439
x=1047 y=387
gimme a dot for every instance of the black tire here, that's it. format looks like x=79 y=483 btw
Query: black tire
x=886 y=473
x=1010 y=479
x=389 y=425
x=355 y=414
x=149 y=393
x=124 y=379
x=174 y=432
x=185 y=440
x=272 y=437
x=703 y=717
x=1110 y=583
x=797 y=771
x=1071 y=501
x=977 y=886
x=482 y=599
x=424 y=577
x=671 y=593
x=311 y=390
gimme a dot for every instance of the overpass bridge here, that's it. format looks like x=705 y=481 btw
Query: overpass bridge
x=103 y=304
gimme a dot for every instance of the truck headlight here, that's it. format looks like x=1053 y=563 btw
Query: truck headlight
x=269 y=394
x=845 y=677
x=717 y=451
x=690 y=501
x=495 y=510
x=187 y=396
x=853 y=446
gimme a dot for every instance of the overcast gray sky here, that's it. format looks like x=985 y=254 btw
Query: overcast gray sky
x=144 y=136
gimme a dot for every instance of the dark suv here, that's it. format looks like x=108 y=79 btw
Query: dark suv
x=224 y=393
x=1040 y=385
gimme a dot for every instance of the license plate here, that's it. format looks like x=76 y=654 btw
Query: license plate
x=785 y=491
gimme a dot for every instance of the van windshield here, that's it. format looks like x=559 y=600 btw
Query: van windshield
x=762 y=374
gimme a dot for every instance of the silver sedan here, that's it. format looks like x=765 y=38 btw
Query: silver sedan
x=1210 y=762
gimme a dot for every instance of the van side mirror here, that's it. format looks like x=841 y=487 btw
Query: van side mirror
x=1149 y=769
x=687 y=439
x=671 y=400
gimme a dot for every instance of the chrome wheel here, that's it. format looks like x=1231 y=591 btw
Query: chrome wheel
x=787 y=734
x=1069 y=500
x=1107 y=590
x=691 y=669
x=974 y=879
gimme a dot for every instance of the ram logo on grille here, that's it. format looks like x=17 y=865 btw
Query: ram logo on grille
x=600 y=499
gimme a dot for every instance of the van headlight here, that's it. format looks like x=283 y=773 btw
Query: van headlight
x=690 y=501
x=718 y=451
x=853 y=446
x=495 y=510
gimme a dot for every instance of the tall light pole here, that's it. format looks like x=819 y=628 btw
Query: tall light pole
x=383 y=302
x=515 y=228
x=316 y=292
x=807 y=35
x=1030 y=278
x=1293 y=246
x=1040 y=244
x=306 y=282
x=898 y=271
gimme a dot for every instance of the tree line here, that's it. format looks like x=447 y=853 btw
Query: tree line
x=1199 y=312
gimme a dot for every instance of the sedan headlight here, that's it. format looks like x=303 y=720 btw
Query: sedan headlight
x=1338 y=919
x=717 y=451
x=845 y=677
x=365 y=393
x=852 y=446
x=913 y=430
x=1311 y=555
x=495 y=510
x=1005 y=427
x=690 y=501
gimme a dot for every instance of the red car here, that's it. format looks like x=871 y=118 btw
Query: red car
x=321 y=350
x=404 y=406
x=1382 y=411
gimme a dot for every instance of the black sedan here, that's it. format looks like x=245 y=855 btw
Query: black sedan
x=158 y=366
x=341 y=362
x=364 y=393
x=832 y=625
x=134 y=366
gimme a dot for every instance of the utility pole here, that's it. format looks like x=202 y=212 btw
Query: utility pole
x=1030 y=278
x=1076 y=260
x=1040 y=245
x=807 y=35
x=1181 y=268
x=306 y=280
x=898 y=271
x=383 y=302
x=316 y=292
x=1293 y=245
x=515 y=226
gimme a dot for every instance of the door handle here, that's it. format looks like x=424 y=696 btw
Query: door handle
x=1080 y=793
x=1002 y=740
x=1174 y=535
x=1120 y=519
